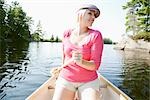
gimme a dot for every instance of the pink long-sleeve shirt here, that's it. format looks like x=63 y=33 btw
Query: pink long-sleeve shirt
x=91 y=49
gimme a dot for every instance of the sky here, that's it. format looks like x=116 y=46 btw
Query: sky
x=58 y=15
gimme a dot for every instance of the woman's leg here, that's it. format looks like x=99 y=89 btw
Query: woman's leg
x=64 y=90
x=62 y=93
x=89 y=94
x=90 y=90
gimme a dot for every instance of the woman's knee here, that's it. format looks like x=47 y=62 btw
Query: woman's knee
x=90 y=94
x=61 y=93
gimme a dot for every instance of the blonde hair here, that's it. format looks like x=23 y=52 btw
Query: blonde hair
x=80 y=14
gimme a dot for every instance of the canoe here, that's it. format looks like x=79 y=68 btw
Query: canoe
x=108 y=91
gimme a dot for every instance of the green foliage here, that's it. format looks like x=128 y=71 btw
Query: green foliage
x=137 y=18
x=18 y=23
x=3 y=27
x=142 y=35
x=57 y=39
x=14 y=23
x=38 y=34
x=54 y=39
x=35 y=37
x=107 y=41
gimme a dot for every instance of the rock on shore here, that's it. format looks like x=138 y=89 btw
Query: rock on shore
x=129 y=44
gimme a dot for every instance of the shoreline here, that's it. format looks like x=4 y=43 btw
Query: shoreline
x=128 y=44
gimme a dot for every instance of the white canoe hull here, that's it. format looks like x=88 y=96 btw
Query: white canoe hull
x=108 y=91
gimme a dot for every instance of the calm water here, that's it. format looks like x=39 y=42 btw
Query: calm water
x=24 y=67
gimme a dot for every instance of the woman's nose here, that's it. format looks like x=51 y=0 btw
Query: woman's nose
x=93 y=16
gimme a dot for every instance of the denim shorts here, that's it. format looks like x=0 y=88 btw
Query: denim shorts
x=80 y=86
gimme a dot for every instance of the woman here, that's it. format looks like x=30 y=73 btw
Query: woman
x=82 y=51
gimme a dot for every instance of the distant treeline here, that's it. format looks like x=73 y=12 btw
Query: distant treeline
x=52 y=39
x=107 y=41
x=56 y=39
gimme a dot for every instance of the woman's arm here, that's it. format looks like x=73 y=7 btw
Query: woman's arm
x=89 y=65
x=96 y=55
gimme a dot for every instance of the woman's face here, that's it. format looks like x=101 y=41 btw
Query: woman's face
x=88 y=18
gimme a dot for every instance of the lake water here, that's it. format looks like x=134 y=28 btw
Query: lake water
x=24 y=67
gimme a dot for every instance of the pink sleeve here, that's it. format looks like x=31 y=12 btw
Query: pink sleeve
x=65 y=35
x=96 y=50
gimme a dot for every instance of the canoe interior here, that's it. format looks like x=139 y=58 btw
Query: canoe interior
x=108 y=91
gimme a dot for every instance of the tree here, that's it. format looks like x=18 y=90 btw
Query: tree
x=3 y=27
x=18 y=23
x=132 y=22
x=38 y=34
x=138 y=16
x=57 y=39
x=52 y=38
x=35 y=37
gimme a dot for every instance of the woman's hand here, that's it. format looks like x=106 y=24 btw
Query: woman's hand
x=77 y=57
x=55 y=71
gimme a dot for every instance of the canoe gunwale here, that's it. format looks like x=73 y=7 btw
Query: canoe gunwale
x=114 y=88
x=49 y=84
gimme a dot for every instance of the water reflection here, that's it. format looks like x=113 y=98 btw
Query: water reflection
x=13 y=63
x=136 y=71
x=128 y=70
x=13 y=52
x=25 y=67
